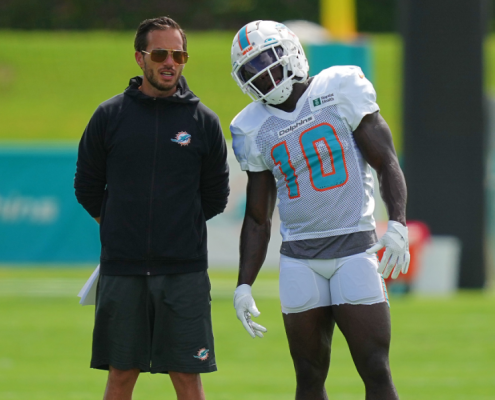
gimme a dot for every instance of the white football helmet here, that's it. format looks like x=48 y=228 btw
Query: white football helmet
x=259 y=48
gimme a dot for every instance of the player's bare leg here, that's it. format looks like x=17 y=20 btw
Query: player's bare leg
x=367 y=331
x=120 y=383
x=187 y=386
x=310 y=337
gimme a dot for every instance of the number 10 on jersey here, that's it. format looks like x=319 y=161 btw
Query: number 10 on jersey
x=318 y=144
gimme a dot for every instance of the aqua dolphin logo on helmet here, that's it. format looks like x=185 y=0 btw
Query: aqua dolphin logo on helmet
x=259 y=48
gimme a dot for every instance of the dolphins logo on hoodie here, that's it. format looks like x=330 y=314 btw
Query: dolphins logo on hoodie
x=183 y=138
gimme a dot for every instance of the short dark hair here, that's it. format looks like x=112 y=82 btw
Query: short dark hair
x=153 y=24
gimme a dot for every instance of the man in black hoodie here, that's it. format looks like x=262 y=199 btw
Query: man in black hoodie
x=151 y=170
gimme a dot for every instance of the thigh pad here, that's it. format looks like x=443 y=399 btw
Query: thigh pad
x=301 y=289
x=357 y=281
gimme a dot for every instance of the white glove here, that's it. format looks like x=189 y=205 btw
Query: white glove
x=396 y=254
x=245 y=306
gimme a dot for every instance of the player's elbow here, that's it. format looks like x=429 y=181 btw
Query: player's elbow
x=261 y=223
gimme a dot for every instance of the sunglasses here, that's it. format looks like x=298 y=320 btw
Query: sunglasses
x=160 y=55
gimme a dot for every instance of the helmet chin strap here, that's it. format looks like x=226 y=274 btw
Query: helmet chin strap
x=301 y=76
x=280 y=93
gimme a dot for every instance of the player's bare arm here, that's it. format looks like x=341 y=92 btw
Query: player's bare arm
x=374 y=140
x=255 y=235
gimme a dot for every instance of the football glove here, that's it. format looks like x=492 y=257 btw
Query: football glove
x=245 y=307
x=396 y=255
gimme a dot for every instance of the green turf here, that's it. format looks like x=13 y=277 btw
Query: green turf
x=442 y=349
x=51 y=82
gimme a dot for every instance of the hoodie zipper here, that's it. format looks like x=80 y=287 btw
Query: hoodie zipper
x=148 y=272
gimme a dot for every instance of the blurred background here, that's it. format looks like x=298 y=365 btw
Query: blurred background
x=433 y=67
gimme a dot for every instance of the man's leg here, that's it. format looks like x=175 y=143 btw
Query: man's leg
x=120 y=384
x=310 y=337
x=367 y=331
x=187 y=386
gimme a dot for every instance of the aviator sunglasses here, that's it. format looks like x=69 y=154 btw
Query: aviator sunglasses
x=160 y=55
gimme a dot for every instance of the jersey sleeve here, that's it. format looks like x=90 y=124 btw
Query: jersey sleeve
x=357 y=97
x=245 y=148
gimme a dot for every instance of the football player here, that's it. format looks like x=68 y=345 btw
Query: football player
x=310 y=141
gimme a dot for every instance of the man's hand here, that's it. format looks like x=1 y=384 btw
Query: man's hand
x=245 y=306
x=396 y=244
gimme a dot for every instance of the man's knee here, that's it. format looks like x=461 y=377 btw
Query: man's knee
x=184 y=376
x=376 y=369
x=311 y=373
x=122 y=377
x=185 y=379
x=187 y=386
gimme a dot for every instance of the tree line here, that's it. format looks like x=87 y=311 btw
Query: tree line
x=372 y=16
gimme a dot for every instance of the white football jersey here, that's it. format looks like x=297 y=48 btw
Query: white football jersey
x=325 y=187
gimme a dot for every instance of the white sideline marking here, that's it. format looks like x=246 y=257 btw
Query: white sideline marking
x=40 y=287
x=67 y=287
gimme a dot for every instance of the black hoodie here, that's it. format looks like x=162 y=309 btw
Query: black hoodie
x=154 y=170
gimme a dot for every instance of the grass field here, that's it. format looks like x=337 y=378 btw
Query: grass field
x=442 y=349
x=51 y=82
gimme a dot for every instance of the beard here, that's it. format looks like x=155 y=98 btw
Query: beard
x=150 y=76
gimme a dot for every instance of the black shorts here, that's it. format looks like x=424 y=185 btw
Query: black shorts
x=155 y=323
